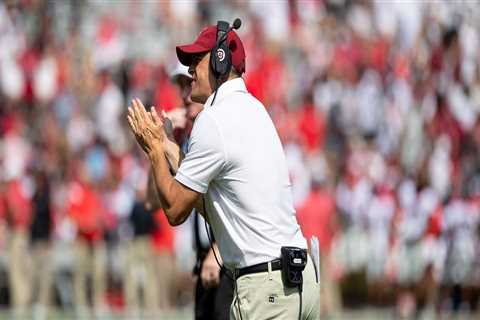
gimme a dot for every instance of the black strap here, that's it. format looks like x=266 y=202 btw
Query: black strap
x=196 y=231
x=261 y=267
x=198 y=242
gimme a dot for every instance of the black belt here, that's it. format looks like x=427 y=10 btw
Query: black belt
x=256 y=268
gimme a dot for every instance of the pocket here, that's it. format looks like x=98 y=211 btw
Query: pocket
x=253 y=280
x=257 y=288
x=239 y=308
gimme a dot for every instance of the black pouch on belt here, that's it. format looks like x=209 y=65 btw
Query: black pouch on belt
x=294 y=261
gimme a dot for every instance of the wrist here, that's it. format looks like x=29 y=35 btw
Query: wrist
x=156 y=152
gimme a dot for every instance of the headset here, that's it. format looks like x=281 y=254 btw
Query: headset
x=220 y=56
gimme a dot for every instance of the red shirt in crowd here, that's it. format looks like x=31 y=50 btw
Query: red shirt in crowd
x=85 y=209
x=166 y=95
x=163 y=236
x=435 y=221
x=311 y=127
x=18 y=205
x=316 y=217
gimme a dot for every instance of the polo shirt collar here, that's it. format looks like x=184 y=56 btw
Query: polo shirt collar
x=227 y=88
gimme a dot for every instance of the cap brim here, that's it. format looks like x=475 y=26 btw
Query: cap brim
x=186 y=53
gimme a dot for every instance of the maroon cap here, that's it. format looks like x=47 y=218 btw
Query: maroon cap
x=206 y=41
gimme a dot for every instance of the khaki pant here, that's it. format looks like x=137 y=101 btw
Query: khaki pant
x=140 y=273
x=41 y=273
x=89 y=260
x=18 y=268
x=263 y=296
x=330 y=290
x=165 y=269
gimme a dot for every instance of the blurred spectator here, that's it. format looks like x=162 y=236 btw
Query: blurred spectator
x=41 y=229
x=19 y=215
x=317 y=217
x=107 y=113
x=140 y=268
x=165 y=264
x=86 y=211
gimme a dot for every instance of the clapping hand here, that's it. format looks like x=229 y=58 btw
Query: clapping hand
x=148 y=127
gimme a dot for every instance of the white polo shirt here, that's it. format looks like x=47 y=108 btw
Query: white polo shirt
x=236 y=159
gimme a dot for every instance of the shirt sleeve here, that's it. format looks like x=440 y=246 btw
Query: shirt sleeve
x=205 y=155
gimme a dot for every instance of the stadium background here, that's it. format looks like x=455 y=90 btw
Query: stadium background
x=376 y=103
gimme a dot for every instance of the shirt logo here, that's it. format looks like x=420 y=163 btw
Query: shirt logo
x=271 y=299
x=220 y=54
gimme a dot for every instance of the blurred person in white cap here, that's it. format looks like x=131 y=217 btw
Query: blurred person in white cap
x=213 y=287
x=235 y=173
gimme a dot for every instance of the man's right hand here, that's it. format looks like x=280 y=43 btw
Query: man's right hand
x=210 y=273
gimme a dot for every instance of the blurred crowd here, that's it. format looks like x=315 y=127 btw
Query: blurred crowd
x=377 y=104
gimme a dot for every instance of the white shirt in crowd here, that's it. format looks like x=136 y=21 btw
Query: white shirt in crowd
x=236 y=159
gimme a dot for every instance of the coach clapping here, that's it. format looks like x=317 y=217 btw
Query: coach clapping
x=234 y=171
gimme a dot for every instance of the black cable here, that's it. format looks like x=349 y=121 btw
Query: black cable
x=210 y=239
x=217 y=85
x=214 y=96
x=300 y=309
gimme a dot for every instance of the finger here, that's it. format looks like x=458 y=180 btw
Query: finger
x=135 y=112
x=130 y=110
x=150 y=114
x=142 y=111
x=139 y=116
x=155 y=118
x=131 y=113
x=131 y=123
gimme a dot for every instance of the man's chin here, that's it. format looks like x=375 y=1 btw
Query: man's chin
x=198 y=98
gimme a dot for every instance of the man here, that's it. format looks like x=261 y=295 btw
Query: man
x=235 y=173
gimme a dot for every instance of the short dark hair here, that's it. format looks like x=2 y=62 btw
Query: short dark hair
x=234 y=72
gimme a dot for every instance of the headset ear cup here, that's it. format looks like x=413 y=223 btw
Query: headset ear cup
x=221 y=60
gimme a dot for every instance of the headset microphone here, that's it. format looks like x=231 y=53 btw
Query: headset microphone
x=237 y=24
